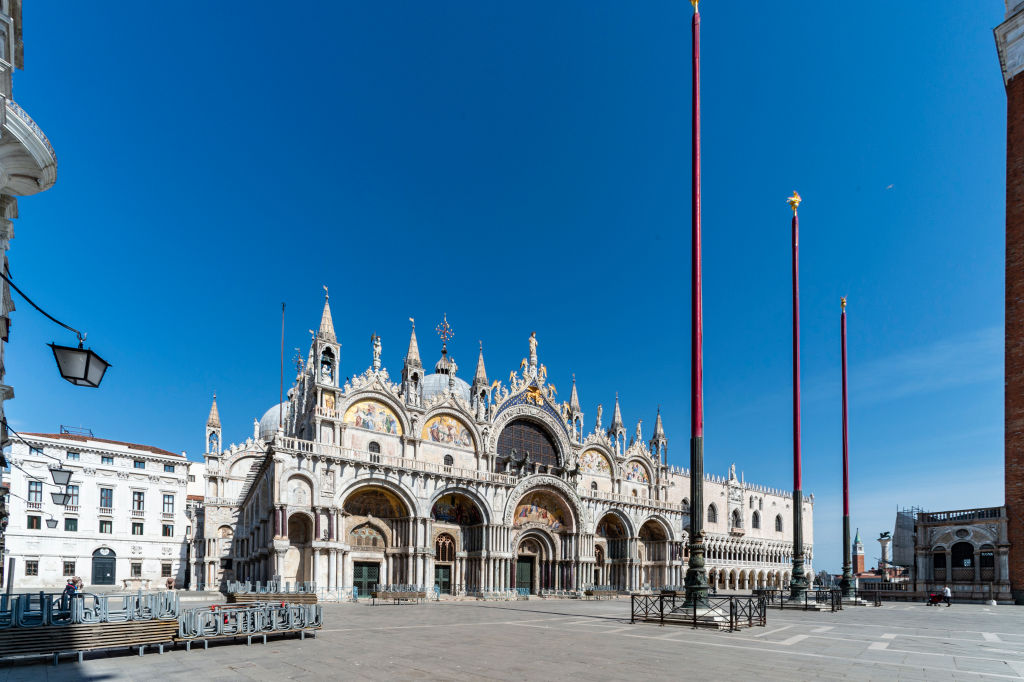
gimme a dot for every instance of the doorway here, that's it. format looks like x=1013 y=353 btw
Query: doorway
x=443 y=578
x=365 y=576
x=104 y=566
x=524 y=574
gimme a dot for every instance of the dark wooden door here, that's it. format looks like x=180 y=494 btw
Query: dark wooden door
x=103 y=570
x=365 y=576
x=443 y=579
x=524 y=574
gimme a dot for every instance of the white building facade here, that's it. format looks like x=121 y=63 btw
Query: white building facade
x=125 y=523
x=470 y=487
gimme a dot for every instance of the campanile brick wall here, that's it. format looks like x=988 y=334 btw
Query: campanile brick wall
x=1014 y=390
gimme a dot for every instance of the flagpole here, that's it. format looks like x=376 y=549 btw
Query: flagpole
x=798 y=581
x=846 y=583
x=696 y=574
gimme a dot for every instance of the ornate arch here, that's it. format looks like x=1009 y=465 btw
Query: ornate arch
x=523 y=411
x=645 y=465
x=371 y=393
x=294 y=472
x=583 y=521
x=486 y=512
x=466 y=420
x=542 y=536
x=627 y=521
x=663 y=522
x=605 y=452
x=403 y=493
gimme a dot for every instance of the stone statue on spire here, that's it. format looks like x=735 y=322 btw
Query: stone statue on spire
x=639 y=433
x=375 y=340
x=600 y=411
x=533 y=351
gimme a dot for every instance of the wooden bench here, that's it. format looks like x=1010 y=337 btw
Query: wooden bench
x=273 y=597
x=397 y=597
x=77 y=638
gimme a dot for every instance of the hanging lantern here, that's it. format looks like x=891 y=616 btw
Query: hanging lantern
x=61 y=476
x=80 y=366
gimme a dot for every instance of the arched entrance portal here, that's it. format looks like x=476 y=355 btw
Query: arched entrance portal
x=104 y=566
x=612 y=565
x=653 y=554
x=545 y=528
x=380 y=532
x=459 y=525
x=297 y=560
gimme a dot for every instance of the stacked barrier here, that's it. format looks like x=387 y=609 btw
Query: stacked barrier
x=239 y=592
x=399 y=592
x=39 y=609
x=249 y=619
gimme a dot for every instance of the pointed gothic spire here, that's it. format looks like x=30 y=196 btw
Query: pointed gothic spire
x=574 y=400
x=213 y=421
x=659 y=430
x=617 y=417
x=412 y=356
x=326 y=323
x=481 y=373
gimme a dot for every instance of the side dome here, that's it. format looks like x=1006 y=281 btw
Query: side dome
x=271 y=420
x=436 y=384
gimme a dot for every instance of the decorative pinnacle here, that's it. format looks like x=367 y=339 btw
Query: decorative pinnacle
x=842 y=301
x=794 y=201
x=445 y=331
x=413 y=323
x=327 y=294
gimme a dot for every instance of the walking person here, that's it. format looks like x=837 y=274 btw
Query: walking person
x=946 y=594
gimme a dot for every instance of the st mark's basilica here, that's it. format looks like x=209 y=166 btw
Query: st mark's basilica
x=471 y=487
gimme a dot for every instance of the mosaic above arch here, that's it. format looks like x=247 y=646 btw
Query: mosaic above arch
x=373 y=416
x=635 y=471
x=447 y=430
x=541 y=508
x=593 y=462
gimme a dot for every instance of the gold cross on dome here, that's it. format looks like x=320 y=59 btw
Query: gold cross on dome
x=445 y=331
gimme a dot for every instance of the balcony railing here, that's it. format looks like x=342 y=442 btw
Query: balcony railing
x=962 y=515
x=106 y=511
x=167 y=515
x=138 y=513
x=630 y=499
x=378 y=459
x=73 y=508
x=23 y=115
x=34 y=505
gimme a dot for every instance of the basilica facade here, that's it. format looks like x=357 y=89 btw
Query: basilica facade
x=469 y=486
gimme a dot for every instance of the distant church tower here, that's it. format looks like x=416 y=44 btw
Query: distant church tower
x=1010 y=43
x=858 y=554
x=213 y=440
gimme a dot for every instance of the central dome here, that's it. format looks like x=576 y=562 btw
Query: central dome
x=436 y=384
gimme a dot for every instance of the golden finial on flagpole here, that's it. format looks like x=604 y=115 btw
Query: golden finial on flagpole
x=842 y=301
x=694 y=3
x=794 y=201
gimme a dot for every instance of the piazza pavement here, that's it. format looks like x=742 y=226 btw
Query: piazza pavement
x=593 y=640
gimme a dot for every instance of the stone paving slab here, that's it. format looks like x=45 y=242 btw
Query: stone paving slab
x=565 y=639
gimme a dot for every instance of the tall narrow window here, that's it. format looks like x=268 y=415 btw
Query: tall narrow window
x=35 y=491
x=106 y=497
x=138 y=500
x=72 y=491
x=168 y=504
x=778 y=523
x=755 y=520
x=712 y=514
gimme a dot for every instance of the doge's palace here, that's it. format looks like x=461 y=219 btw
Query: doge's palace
x=470 y=487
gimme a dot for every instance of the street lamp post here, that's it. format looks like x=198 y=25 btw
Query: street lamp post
x=696 y=574
x=846 y=584
x=798 y=581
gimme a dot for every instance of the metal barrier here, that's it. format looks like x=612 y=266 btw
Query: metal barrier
x=733 y=611
x=831 y=599
x=222 y=620
x=38 y=609
x=873 y=597
x=269 y=587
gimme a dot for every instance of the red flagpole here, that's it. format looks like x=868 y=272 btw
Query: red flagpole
x=798 y=582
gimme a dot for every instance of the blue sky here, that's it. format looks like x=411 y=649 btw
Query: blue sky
x=525 y=166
